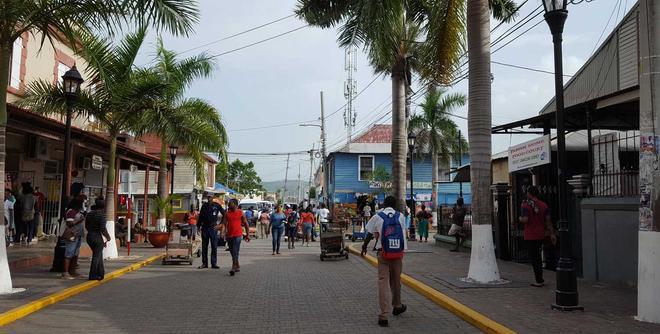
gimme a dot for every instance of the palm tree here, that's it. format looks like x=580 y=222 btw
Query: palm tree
x=192 y=123
x=50 y=18
x=390 y=33
x=437 y=133
x=121 y=94
x=483 y=266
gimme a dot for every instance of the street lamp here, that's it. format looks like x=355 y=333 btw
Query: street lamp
x=566 y=295
x=173 y=149
x=411 y=147
x=71 y=81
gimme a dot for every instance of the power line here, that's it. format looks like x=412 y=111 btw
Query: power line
x=258 y=42
x=238 y=34
x=527 y=68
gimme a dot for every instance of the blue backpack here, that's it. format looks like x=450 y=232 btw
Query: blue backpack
x=391 y=236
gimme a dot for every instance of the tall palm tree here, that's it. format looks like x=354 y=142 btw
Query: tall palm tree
x=437 y=133
x=192 y=123
x=50 y=18
x=393 y=34
x=483 y=266
x=121 y=94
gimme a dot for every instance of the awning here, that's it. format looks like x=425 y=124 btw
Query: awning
x=223 y=189
x=462 y=174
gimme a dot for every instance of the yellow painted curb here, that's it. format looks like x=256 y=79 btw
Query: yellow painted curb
x=452 y=305
x=27 y=309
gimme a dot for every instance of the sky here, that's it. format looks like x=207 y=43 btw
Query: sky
x=278 y=81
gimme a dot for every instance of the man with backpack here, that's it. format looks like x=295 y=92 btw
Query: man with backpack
x=388 y=227
x=291 y=227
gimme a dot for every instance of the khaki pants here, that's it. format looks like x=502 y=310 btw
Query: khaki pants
x=389 y=285
x=262 y=230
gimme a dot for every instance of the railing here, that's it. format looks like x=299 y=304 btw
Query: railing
x=617 y=184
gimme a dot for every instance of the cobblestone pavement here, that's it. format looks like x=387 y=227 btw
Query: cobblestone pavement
x=294 y=293
x=519 y=306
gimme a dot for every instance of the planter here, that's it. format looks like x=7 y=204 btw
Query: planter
x=158 y=239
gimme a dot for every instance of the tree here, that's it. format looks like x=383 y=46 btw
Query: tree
x=382 y=179
x=53 y=19
x=392 y=33
x=121 y=94
x=311 y=193
x=188 y=122
x=483 y=266
x=240 y=176
x=437 y=133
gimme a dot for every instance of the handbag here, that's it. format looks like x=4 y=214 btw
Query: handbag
x=69 y=234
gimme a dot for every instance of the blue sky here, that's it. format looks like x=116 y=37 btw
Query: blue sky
x=279 y=81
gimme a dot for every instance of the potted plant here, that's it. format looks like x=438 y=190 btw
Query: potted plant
x=161 y=236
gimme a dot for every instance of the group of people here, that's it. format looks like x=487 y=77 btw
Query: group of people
x=22 y=214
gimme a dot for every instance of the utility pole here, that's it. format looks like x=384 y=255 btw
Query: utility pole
x=460 y=162
x=323 y=167
x=311 y=167
x=286 y=177
x=648 y=285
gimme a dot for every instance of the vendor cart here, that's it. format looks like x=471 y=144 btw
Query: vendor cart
x=182 y=251
x=332 y=241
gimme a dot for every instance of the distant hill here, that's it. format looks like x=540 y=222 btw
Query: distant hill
x=292 y=186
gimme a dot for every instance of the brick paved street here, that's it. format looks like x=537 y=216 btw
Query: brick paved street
x=293 y=293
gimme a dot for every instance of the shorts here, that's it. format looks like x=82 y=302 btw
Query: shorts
x=292 y=231
x=307 y=228
x=72 y=248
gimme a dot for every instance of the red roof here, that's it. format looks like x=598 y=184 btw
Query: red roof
x=152 y=146
x=378 y=134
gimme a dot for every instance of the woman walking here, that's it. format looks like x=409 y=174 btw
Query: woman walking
x=28 y=214
x=72 y=235
x=97 y=238
x=264 y=222
x=234 y=221
x=307 y=220
x=291 y=227
x=423 y=217
x=277 y=222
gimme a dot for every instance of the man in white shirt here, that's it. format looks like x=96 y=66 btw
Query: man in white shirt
x=389 y=271
x=323 y=214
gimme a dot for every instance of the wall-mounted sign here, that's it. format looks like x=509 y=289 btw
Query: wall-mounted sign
x=529 y=154
x=97 y=162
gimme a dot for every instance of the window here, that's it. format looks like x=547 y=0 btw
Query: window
x=16 y=60
x=365 y=167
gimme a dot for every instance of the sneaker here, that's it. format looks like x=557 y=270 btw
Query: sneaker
x=399 y=310
x=202 y=267
x=383 y=323
x=215 y=267
x=232 y=273
x=67 y=276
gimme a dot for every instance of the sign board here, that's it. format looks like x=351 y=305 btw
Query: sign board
x=134 y=168
x=97 y=162
x=529 y=154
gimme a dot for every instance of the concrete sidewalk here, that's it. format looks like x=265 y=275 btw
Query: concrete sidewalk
x=30 y=270
x=519 y=306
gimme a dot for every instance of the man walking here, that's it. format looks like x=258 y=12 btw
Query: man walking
x=208 y=219
x=535 y=215
x=388 y=226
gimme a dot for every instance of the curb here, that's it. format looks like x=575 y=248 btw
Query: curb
x=475 y=318
x=34 y=306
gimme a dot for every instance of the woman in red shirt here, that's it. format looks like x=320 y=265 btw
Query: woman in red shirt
x=307 y=220
x=234 y=221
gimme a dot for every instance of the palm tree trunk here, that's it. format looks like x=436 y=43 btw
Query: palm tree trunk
x=110 y=251
x=5 y=276
x=162 y=186
x=399 y=149
x=434 y=189
x=483 y=266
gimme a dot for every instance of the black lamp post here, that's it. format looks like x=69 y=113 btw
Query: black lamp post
x=173 y=149
x=411 y=148
x=566 y=295
x=71 y=81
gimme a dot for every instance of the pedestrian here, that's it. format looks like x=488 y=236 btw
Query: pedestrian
x=97 y=238
x=292 y=227
x=28 y=214
x=264 y=221
x=535 y=216
x=72 y=235
x=249 y=215
x=423 y=223
x=323 y=214
x=408 y=222
x=366 y=212
x=233 y=220
x=389 y=226
x=307 y=220
x=10 y=227
x=190 y=218
x=38 y=210
x=277 y=226
x=208 y=220
x=458 y=217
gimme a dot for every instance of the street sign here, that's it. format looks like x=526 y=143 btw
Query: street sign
x=97 y=162
x=529 y=154
x=134 y=168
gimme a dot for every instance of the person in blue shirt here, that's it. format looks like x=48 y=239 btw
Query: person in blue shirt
x=277 y=224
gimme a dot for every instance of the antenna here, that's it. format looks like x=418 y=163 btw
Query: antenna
x=350 y=90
